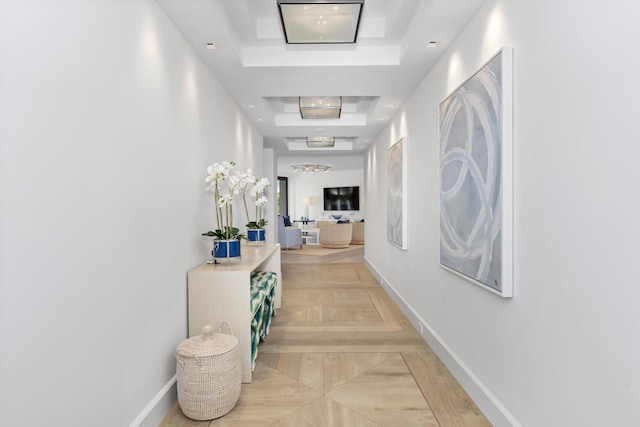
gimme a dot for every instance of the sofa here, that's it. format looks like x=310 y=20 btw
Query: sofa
x=335 y=236
x=288 y=237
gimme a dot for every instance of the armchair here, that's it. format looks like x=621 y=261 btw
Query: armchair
x=357 y=233
x=288 y=237
x=335 y=236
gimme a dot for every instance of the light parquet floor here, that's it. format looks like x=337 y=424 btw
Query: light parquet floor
x=340 y=353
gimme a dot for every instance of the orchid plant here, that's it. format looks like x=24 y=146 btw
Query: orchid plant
x=224 y=186
x=257 y=190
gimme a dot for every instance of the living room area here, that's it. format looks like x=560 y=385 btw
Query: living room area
x=326 y=205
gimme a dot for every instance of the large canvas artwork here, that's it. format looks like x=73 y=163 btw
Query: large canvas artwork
x=476 y=214
x=397 y=194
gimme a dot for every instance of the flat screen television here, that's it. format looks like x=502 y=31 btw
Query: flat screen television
x=342 y=198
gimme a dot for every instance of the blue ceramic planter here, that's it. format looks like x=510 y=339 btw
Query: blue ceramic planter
x=226 y=248
x=255 y=234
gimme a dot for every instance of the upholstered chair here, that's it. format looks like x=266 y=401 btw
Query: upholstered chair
x=288 y=237
x=335 y=235
x=321 y=223
x=357 y=233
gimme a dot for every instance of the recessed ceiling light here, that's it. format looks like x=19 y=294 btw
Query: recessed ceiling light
x=433 y=43
x=260 y=119
x=320 y=21
x=312 y=107
x=321 y=141
x=250 y=106
x=391 y=105
x=210 y=46
x=382 y=119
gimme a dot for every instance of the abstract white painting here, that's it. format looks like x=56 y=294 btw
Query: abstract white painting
x=475 y=177
x=397 y=194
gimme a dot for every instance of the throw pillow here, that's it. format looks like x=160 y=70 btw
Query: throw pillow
x=287 y=221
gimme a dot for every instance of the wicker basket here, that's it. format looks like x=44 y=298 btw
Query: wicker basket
x=208 y=373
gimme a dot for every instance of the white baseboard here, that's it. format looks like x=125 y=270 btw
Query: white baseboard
x=488 y=403
x=159 y=407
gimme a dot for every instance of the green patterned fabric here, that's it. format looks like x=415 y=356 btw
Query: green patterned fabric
x=263 y=293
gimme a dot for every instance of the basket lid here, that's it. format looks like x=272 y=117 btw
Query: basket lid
x=206 y=345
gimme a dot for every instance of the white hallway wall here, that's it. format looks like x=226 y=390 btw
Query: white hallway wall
x=564 y=351
x=108 y=121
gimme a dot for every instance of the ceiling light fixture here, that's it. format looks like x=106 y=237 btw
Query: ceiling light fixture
x=311 y=168
x=321 y=142
x=315 y=107
x=320 y=21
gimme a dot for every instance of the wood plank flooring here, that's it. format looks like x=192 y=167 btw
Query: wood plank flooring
x=340 y=353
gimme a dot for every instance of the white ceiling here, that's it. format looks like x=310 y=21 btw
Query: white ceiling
x=265 y=76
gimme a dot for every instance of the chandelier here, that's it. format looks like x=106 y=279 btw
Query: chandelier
x=311 y=168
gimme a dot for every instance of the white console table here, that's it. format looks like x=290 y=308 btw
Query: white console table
x=218 y=292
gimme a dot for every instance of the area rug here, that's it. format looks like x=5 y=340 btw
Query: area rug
x=318 y=250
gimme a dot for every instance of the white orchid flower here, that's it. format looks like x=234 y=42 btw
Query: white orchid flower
x=225 y=200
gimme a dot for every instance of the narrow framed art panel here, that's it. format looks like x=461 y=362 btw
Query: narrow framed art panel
x=476 y=177
x=397 y=194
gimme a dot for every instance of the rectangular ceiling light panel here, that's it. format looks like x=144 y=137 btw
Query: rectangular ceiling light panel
x=321 y=142
x=313 y=107
x=320 y=21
